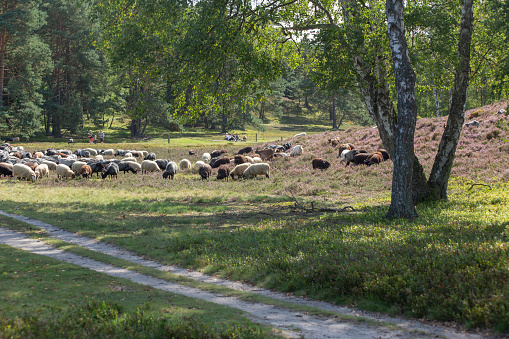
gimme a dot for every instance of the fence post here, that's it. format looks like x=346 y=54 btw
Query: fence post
x=168 y=138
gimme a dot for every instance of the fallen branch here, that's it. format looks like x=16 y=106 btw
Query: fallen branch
x=478 y=185
x=299 y=206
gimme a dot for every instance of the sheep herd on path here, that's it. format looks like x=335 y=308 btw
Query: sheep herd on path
x=247 y=162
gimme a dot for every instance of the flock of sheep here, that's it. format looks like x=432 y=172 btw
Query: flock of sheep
x=246 y=163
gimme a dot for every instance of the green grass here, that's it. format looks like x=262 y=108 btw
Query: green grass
x=449 y=264
x=43 y=297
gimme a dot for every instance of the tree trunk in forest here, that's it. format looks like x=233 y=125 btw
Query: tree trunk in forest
x=333 y=113
x=402 y=205
x=436 y=95
x=3 y=47
x=261 y=114
x=224 y=119
x=441 y=170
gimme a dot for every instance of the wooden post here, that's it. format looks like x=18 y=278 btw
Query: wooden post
x=168 y=138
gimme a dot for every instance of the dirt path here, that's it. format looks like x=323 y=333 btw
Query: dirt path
x=292 y=323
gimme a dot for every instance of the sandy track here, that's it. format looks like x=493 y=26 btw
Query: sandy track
x=292 y=323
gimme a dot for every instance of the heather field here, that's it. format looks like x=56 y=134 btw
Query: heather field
x=317 y=233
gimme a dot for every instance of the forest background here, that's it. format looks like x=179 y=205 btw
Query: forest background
x=70 y=65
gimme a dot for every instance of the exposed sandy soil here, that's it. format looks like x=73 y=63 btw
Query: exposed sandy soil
x=292 y=323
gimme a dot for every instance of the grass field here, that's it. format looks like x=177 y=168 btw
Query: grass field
x=450 y=264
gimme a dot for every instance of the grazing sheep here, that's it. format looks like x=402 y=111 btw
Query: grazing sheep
x=239 y=170
x=249 y=159
x=197 y=165
x=135 y=167
x=257 y=160
x=120 y=152
x=162 y=163
x=320 y=163
x=206 y=158
x=360 y=158
x=297 y=150
x=299 y=134
x=70 y=141
x=192 y=152
x=63 y=171
x=149 y=166
x=347 y=156
x=86 y=171
x=205 y=171
x=219 y=162
x=124 y=166
x=99 y=157
x=5 y=170
x=92 y=151
x=128 y=155
x=223 y=172
x=77 y=165
x=51 y=165
x=42 y=171
x=97 y=167
x=31 y=164
x=185 y=165
x=265 y=154
x=109 y=151
x=17 y=155
x=384 y=153
x=136 y=154
x=256 y=170
x=474 y=123
x=217 y=153
x=239 y=159
x=132 y=159
x=112 y=170
x=245 y=150
x=345 y=147
x=170 y=170
x=150 y=156
x=38 y=155
x=375 y=158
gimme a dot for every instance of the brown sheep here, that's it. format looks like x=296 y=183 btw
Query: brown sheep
x=245 y=150
x=5 y=170
x=375 y=158
x=63 y=155
x=360 y=158
x=240 y=159
x=384 y=153
x=265 y=154
x=217 y=153
x=205 y=171
x=31 y=164
x=219 y=162
x=86 y=171
x=17 y=155
x=223 y=172
x=320 y=163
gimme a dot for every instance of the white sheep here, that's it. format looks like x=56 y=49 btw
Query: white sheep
x=144 y=153
x=128 y=155
x=76 y=166
x=185 y=164
x=149 y=166
x=239 y=170
x=249 y=159
x=22 y=171
x=134 y=166
x=206 y=158
x=297 y=150
x=99 y=157
x=51 y=165
x=63 y=171
x=130 y=159
x=38 y=155
x=257 y=169
x=257 y=160
x=299 y=134
x=197 y=165
x=42 y=170
x=109 y=151
x=92 y=151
